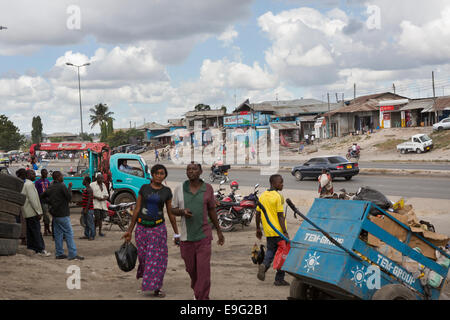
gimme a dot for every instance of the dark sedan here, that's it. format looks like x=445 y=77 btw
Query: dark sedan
x=338 y=166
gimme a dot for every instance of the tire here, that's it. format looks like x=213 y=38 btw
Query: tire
x=225 y=226
x=11 y=183
x=8 y=247
x=125 y=220
x=440 y=129
x=418 y=151
x=402 y=151
x=12 y=196
x=211 y=177
x=10 y=230
x=348 y=178
x=124 y=197
x=10 y=208
x=6 y=217
x=300 y=291
x=348 y=156
x=394 y=292
x=298 y=176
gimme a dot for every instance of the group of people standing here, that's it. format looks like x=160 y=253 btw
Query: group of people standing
x=44 y=198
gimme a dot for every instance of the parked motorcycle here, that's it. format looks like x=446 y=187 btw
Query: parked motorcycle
x=219 y=195
x=119 y=214
x=352 y=154
x=231 y=213
x=220 y=173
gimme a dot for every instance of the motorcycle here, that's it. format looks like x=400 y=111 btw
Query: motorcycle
x=232 y=210
x=219 y=174
x=119 y=214
x=218 y=195
x=352 y=154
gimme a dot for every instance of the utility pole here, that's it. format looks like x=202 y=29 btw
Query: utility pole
x=393 y=87
x=337 y=98
x=354 y=91
x=434 y=98
x=329 y=117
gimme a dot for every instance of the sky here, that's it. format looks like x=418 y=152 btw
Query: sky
x=155 y=60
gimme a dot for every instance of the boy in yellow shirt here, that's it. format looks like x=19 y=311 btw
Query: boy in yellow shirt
x=273 y=202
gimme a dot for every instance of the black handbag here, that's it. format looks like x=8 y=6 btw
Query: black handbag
x=126 y=256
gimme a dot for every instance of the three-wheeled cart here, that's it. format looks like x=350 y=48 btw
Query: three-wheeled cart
x=329 y=256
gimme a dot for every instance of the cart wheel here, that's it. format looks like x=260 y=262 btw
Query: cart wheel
x=300 y=291
x=394 y=292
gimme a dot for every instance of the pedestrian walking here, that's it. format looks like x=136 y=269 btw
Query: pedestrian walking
x=301 y=147
x=41 y=186
x=58 y=197
x=151 y=231
x=194 y=201
x=273 y=202
x=87 y=210
x=253 y=152
x=325 y=184
x=157 y=156
x=100 y=193
x=312 y=139
x=32 y=212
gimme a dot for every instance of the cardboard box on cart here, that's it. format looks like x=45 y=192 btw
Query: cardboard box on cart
x=400 y=233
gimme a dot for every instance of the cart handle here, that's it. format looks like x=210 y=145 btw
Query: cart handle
x=332 y=240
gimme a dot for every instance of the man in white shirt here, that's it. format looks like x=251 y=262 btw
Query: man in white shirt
x=32 y=212
x=100 y=197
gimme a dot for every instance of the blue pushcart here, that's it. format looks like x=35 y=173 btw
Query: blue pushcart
x=330 y=258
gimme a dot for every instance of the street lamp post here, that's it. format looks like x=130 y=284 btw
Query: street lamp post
x=79 y=89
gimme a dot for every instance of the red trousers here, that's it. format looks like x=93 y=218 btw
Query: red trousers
x=197 y=257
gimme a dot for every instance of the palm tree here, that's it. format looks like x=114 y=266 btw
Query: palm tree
x=100 y=114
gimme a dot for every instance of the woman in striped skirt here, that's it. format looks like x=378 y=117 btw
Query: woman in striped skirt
x=151 y=232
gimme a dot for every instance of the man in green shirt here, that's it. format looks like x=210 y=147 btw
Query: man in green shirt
x=194 y=201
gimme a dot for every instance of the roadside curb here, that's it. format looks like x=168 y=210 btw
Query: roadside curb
x=363 y=171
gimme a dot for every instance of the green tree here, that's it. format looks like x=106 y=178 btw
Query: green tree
x=123 y=137
x=202 y=107
x=101 y=115
x=224 y=108
x=10 y=137
x=36 y=133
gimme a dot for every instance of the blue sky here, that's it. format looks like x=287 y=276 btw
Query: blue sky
x=161 y=59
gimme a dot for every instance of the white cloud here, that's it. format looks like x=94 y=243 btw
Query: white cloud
x=228 y=36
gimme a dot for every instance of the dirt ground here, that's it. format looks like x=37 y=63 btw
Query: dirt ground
x=28 y=276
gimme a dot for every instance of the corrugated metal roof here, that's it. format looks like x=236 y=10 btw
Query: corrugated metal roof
x=206 y=113
x=152 y=126
x=418 y=104
x=442 y=103
x=366 y=103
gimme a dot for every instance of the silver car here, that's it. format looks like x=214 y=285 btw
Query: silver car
x=442 y=125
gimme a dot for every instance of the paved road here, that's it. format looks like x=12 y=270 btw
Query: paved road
x=407 y=186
